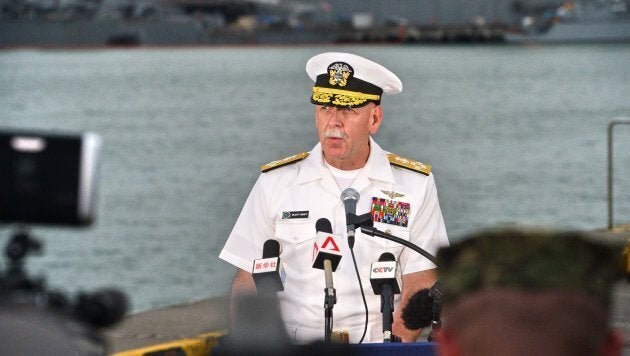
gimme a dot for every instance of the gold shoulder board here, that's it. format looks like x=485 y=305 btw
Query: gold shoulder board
x=283 y=162
x=410 y=164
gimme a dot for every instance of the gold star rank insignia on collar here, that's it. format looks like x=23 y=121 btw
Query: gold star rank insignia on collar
x=392 y=195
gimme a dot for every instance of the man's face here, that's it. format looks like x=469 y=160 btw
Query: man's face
x=344 y=133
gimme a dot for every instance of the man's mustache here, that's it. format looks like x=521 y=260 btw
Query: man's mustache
x=334 y=134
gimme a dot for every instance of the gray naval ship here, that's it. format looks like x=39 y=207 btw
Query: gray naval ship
x=77 y=23
x=574 y=22
x=81 y=23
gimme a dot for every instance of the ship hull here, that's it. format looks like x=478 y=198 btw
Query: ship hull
x=577 y=32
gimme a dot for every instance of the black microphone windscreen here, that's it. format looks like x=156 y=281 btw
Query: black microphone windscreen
x=102 y=308
x=323 y=225
x=387 y=256
x=418 y=313
x=271 y=248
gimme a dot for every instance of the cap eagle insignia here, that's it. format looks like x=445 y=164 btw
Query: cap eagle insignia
x=339 y=73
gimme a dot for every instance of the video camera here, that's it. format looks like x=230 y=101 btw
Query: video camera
x=49 y=178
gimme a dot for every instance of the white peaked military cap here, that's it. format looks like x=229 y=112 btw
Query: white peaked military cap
x=348 y=80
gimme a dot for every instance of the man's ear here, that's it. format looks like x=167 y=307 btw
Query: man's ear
x=376 y=117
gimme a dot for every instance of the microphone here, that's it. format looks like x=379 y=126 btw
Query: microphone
x=326 y=246
x=386 y=281
x=423 y=307
x=326 y=256
x=268 y=273
x=436 y=292
x=385 y=272
x=350 y=197
x=372 y=231
x=102 y=308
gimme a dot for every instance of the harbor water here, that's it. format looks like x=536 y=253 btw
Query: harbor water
x=515 y=135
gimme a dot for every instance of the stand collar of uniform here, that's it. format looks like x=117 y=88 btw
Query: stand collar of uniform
x=377 y=166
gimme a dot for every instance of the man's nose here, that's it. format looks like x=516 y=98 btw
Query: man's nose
x=335 y=117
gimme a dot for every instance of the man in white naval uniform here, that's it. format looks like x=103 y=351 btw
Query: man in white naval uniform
x=292 y=194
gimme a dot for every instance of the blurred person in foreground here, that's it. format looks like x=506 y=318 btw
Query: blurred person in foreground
x=528 y=292
x=291 y=194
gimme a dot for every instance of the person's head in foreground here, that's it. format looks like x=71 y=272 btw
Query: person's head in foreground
x=528 y=292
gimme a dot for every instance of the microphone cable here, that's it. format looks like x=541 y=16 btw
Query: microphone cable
x=350 y=197
x=356 y=269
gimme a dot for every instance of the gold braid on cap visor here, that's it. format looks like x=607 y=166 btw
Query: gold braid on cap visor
x=341 y=97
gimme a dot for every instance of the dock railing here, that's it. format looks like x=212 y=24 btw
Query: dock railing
x=611 y=126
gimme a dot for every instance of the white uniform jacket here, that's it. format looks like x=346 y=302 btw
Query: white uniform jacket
x=309 y=191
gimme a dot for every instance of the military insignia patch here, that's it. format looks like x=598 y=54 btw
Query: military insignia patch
x=339 y=73
x=283 y=162
x=390 y=211
x=410 y=164
x=392 y=194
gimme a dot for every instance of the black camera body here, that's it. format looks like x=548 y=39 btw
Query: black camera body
x=49 y=178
